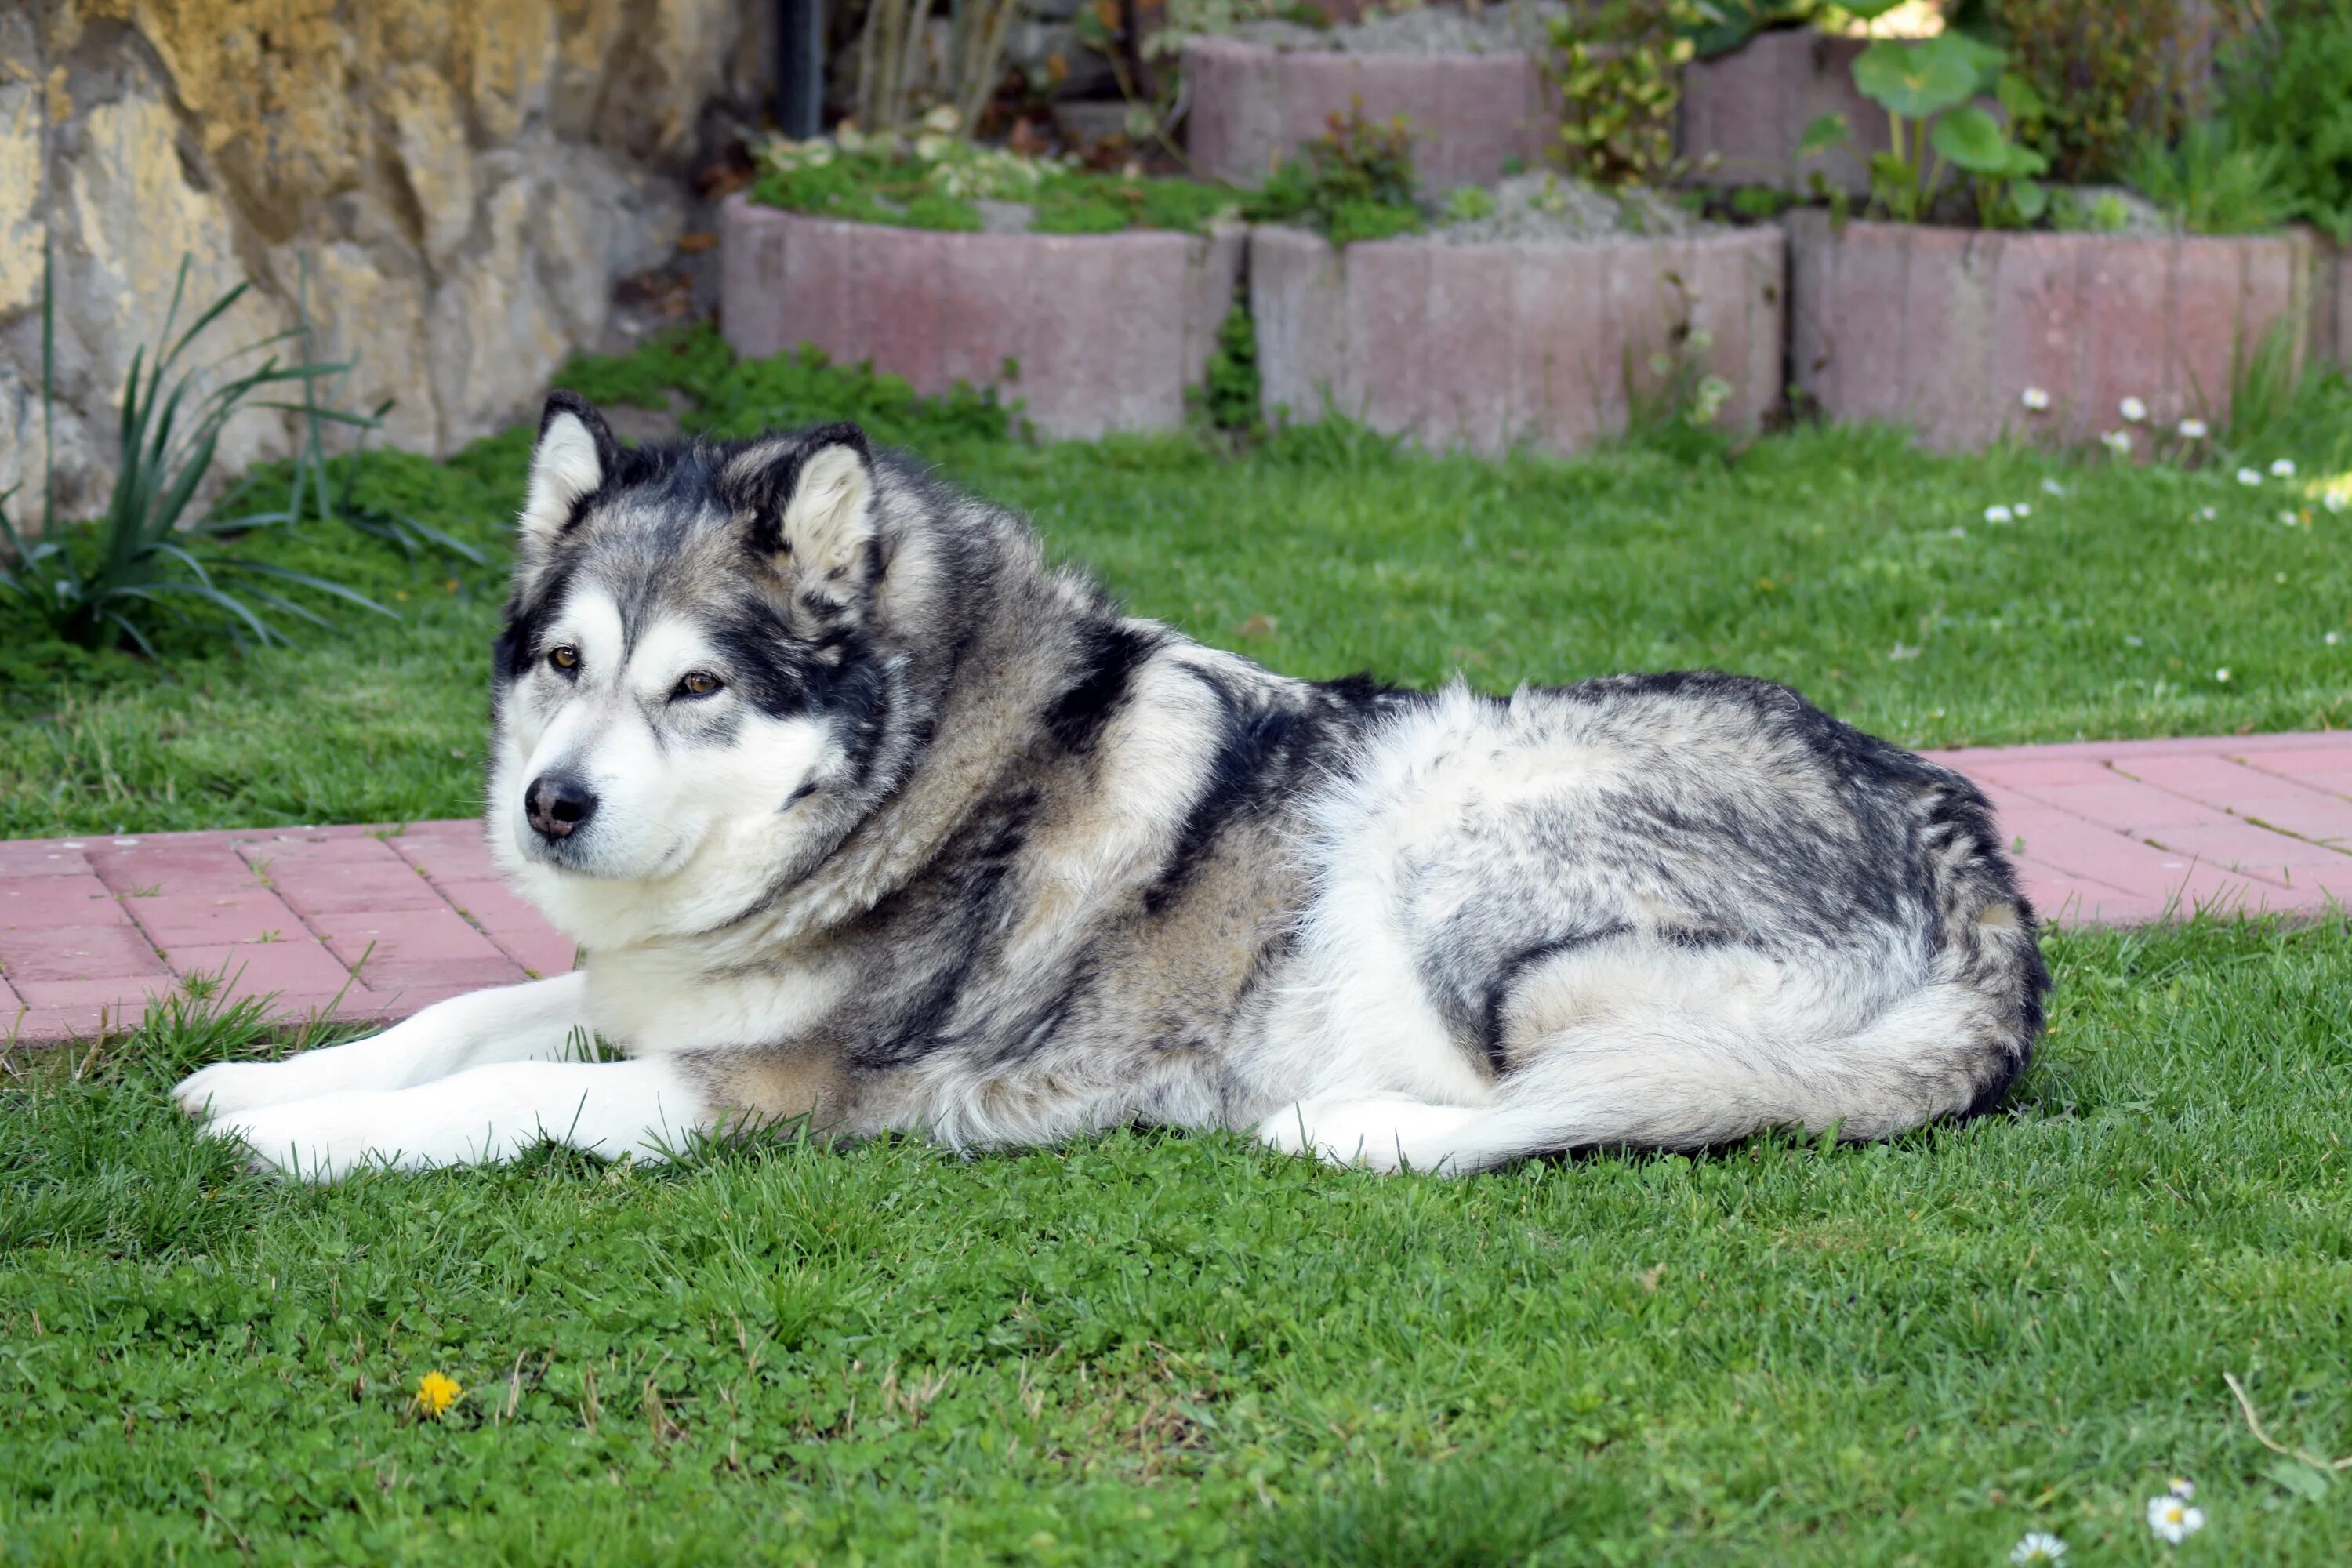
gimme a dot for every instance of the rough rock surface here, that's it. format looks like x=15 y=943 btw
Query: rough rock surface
x=457 y=188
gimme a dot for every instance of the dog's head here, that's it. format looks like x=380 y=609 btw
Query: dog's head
x=685 y=667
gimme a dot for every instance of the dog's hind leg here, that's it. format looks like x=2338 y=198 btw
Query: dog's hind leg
x=535 y=1022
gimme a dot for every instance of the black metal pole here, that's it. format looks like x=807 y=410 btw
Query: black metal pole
x=800 y=68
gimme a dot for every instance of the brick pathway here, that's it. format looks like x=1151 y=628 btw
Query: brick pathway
x=365 y=924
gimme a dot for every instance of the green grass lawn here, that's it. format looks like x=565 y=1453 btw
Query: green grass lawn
x=1162 y=1348
x=1159 y=1348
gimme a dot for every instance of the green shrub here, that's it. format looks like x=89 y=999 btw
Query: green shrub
x=2287 y=91
x=1619 y=73
x=2112 y=76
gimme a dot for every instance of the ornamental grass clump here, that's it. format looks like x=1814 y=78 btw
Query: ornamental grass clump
x=96 y=584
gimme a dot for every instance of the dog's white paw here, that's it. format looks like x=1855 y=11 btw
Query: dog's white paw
x=312 y=1140
x=225 y=1088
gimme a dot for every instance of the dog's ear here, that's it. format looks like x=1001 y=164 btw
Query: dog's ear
x=575 y=454
x=811 y=500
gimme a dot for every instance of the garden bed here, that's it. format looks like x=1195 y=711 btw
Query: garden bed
x=1469 y=86
x=1091 y=332
x=1955 y=332
x=1511 y=327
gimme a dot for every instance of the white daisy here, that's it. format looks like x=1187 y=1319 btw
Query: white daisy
x=2035 y=399
x=2249 y=475
x=2116 y=441
x=2023 y=509
x=2207 y=513
x=2182 y=1487
x=2283 y=468
x=2053 y=487
x=2039 y=1546
x=2193 y=429
x=2331 y=639
x=2173 y=1520
x=1997 y=514
x=2222 y=674
x=2132 y=409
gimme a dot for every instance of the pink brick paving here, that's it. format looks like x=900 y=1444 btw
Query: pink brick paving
x=373 y=923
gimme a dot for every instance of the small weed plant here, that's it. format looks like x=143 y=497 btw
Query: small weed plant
x=1355 y=182
x=1926 y=86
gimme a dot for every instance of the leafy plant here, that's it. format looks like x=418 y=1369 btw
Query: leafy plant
x=92 y=585
x=2284 y=90
x=2113 y=76
x=1355 y=182
x=1926 y=86
x=2211 y=185
x=1619 y=73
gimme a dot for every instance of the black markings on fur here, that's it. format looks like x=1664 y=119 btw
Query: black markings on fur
x=1506 y=977
x=1109 y=655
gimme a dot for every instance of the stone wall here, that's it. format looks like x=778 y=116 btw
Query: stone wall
x=464 y=182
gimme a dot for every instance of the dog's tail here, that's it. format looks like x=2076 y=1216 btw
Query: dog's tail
x=1672 y=1075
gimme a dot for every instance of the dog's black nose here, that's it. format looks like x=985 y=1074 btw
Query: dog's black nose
x=557 y=804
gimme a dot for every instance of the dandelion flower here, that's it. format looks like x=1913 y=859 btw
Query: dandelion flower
x=2283 y=468
x=2035 y=399
x=2116 y=441
x=2193 y=429
x=2132 y=409
x=2249 y=475
x=2039 y=1546
x=2173 y=1520
x=2222 y=674
x=1997 y=515
x=436 y=1393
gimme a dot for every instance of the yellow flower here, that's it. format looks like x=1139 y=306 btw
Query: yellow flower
x=436 y=1393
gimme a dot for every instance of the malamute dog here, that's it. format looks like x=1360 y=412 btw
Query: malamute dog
x=866 y=816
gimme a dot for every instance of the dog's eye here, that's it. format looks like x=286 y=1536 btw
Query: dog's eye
x=565 y=658
x=698 y=683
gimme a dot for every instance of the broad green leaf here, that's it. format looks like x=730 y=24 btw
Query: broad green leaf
x=1973 y=138
x=2030 y=200
x=1830 y=131
x=2019 y=98
x=1914 y=80
x=1867 y=10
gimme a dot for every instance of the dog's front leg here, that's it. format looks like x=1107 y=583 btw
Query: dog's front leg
x=536 y=1021
x=485 y=1116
